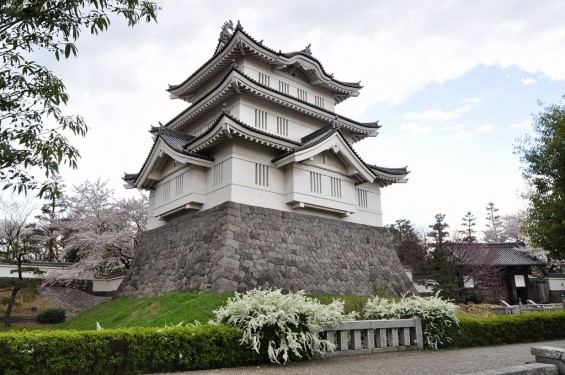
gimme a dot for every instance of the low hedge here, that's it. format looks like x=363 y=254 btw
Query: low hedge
x=123 y=351
x=509 y=329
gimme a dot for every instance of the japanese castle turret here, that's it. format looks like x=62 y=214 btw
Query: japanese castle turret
x=256 y=183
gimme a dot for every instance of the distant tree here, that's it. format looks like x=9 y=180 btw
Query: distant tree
x=494 y=233
x=18 y=247
x=438 y=230
x=52 y=209
x=98 y=231
x=543 y=156
x=410 y=248
x=469 y=231
x=512 y=226
x=32 y=136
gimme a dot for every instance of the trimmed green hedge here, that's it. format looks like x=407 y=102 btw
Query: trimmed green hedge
x=123 y=351
x=509 y=329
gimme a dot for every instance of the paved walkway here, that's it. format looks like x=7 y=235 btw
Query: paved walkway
x=443 y=362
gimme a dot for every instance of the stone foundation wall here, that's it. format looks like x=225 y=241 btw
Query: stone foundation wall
x=235 y=247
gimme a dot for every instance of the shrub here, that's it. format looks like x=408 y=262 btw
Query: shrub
x=123 y=351
x=509 y=329
x=281 y=326
x=437 y=315
x=51 y=316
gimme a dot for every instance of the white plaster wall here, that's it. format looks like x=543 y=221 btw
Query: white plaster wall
x=252 y=67
x=106 y=285
x=556 y=283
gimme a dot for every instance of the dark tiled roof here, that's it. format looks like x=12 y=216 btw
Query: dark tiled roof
x=372 y=125
x=219 y=118
x=174 y=140
x=503 y=254
x=393 y=171
x=279 y=53
x=324 y=133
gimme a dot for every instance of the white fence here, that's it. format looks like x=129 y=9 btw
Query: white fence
x=374 y=336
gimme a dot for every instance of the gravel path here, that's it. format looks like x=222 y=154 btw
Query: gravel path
x=74 y=301
x=443 y=362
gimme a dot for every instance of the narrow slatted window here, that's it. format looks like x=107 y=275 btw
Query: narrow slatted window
x=264 y=79
x=260 y=119
x=218 y=173
x=319 y=101
x=179 y=182
x=361 y=198
x=315 y=182
x=302 y=95
x=261 y=175
x=166 y=191
x=284 y=87
x=336 y=187
x=282 y=126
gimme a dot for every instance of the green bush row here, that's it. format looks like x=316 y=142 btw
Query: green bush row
x=123 y=351
x=509 y=329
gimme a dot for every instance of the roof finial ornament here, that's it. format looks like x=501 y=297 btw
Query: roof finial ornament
x=335 y=124
x=225 y=34
x=225 y=109
x=239 y=25
x=307 y=50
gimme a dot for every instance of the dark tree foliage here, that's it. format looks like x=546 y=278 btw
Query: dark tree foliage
x=543 y=155
x=468 y=223
x=410 y=248
x=33 y=127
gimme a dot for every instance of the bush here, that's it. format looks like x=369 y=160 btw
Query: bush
x=123 y=351
x=51 y=316
x=509 y=329
x=281 y=326
x=437 y=315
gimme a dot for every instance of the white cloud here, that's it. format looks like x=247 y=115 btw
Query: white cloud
x=415 y=129
x=484 y=128
x=453 y=127
x=465 y=134
x=436 y=114
x=526 y=124
x=528 y=81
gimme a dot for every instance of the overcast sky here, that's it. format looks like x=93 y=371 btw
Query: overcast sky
x=453 y=84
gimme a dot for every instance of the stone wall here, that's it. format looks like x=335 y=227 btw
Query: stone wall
x=235 y=247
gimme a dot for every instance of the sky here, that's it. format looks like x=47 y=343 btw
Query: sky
x=454 y=85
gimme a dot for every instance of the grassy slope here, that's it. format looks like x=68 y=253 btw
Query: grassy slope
x=169 y=309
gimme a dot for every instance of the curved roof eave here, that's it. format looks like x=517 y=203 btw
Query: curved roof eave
x=234 y=43
x=227 y=80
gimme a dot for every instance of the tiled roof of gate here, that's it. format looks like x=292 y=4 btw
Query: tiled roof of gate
x=504 y=253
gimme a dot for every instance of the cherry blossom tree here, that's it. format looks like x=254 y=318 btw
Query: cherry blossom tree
x=98 y=232
x=17 y=246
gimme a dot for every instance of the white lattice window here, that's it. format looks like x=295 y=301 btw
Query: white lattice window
x=315 y=182
x=261 y=175
x=264 y=79
x=361 y=198
x=319 y=101
x=166 y=191
x=336 y=187
x=260 y=119
x=282 y=126
x=179 y=182
x=302 y=94
x=284 y=87
x=218 y=171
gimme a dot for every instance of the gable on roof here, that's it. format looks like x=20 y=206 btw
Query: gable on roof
x=242 y=44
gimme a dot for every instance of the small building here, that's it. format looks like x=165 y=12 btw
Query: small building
x=511 y=263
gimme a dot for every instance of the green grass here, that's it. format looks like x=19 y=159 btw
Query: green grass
x=169 y=309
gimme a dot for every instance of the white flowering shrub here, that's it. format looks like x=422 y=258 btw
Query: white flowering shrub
x=437 y=315
x=282 y=325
